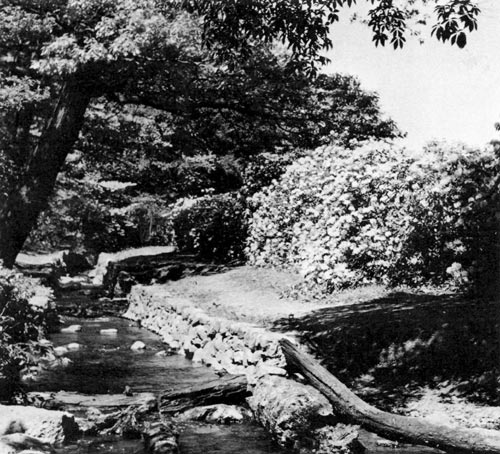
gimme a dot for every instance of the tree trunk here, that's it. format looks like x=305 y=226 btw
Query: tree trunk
x=391 y=426
x=230 y=389
x=30 y=195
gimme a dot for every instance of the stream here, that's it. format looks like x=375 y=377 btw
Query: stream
x=104 y=363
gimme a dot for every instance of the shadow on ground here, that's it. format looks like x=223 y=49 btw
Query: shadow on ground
x=387 y=348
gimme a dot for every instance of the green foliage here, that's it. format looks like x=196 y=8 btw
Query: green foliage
x=231 y=27
x=379 y=214
x=130 y=144
x=455 y=19
x=22 y=326
x=209 y=67
x=259 y=107
x=213 y=227
x=94 y=216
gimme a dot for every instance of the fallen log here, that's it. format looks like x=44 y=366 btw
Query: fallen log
x=65 y=399
x=391 y=426
x=229 y=389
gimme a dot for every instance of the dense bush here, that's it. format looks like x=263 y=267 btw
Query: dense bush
x=22 y=326
x=380 y=214
x=213 y=227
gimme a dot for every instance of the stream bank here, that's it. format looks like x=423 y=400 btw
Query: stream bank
x=104 y=365
x=297 y=416
x=223 y=321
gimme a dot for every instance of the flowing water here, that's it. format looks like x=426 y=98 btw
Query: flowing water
x=105 y=363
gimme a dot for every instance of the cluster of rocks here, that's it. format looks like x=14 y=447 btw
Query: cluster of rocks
x=297 y=415
x=239 y=348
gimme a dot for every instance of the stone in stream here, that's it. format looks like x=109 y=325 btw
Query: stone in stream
x=73 y=346
x=340 y=439
x=174 y=345
x=108 y=332
x=71 y=329
x=138 y=345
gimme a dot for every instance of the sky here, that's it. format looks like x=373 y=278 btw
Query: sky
x=432 y=90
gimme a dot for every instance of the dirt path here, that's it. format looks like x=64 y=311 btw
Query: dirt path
x=255 y=295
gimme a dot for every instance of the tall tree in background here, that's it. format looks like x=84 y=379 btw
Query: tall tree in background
x=56 y=56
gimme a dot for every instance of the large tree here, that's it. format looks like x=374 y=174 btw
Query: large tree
x=65 y=53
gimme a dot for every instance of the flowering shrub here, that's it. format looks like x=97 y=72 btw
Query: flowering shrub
x=213 y=226
x=380 y=214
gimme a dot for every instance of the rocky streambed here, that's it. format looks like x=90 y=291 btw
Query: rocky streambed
x=106 y=364
x=108 y=372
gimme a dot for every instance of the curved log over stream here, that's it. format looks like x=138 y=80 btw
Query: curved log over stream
x=391 y=426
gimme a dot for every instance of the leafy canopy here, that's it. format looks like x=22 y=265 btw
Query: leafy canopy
x=305 y=25
x=65 y=36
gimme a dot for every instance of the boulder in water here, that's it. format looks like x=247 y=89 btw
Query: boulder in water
x=71 y=329
x=73 y=346
x=108 y=332
x=138 y=345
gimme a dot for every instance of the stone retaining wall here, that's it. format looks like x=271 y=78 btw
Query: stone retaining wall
x=296 y=415
x=239 y=348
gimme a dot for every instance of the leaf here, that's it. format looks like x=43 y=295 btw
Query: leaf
x=461 y=40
